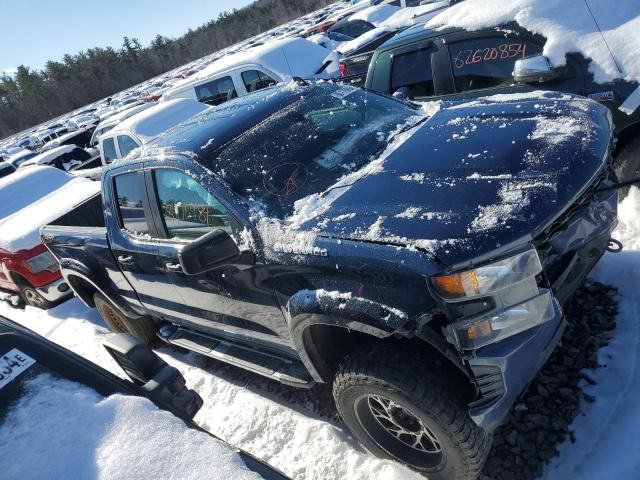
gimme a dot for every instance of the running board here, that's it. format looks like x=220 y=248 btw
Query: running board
x=284 y=370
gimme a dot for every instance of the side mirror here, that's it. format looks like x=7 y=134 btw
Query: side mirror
x=213 y=249
x=163 y=385
x=402 y=94
x=536 y=69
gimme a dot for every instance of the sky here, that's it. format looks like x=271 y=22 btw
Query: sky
x=34 y=31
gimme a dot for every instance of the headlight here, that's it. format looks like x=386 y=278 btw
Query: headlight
x=478 y=332
x=490 y=278
x=42 y=262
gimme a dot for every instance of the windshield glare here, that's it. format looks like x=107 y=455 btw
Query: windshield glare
x=304 y=149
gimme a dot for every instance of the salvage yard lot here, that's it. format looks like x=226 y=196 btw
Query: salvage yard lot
x=296 y=430
x=291 y=229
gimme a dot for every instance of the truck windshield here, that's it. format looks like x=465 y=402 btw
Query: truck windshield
x=305 y=148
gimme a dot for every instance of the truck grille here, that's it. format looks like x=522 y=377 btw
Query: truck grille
x=561 y=222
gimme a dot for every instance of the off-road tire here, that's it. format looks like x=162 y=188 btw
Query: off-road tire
x=142 y=327
x=32 y=297
x=432 y=393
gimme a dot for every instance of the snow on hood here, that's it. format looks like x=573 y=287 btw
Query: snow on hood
x=35 y=197
x=61 y=429
x=151 y=122
x=567 y=25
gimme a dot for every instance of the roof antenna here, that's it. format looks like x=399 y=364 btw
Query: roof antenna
x=603 y=39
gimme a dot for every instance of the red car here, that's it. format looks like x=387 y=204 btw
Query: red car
x=29 y=199
x=34 y=274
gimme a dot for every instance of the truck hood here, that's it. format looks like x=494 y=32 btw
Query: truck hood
x=476 y=177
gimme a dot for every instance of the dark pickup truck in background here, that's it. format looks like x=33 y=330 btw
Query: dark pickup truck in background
x=422 y=63
x=426 y=285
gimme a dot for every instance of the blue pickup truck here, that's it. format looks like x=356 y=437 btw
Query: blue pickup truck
x=414 y=257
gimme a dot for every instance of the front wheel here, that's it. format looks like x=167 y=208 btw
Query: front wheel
x=32 y=297
x=403 y=407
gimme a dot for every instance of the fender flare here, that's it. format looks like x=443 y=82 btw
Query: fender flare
x=71 y=268
x=314 y=307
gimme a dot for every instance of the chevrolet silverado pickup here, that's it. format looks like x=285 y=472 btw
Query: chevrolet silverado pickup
x=414 y=257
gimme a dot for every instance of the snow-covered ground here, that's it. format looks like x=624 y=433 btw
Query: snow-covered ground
x=276 y=423
x=292 y=430
x=87 y=436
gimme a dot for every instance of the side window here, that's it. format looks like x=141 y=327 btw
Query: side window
x=217 y=91
x=130 y=192
x=189 y=211
x=412 y=73
x=126 y=144
x=109 y=150
x=487 y=62
x=256 y=80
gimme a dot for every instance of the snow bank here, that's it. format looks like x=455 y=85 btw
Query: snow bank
x=61 y=429
x=568 y=27
x=35 y=198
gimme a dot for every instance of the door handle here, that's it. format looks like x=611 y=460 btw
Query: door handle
x=125 y=258
x=173 y=267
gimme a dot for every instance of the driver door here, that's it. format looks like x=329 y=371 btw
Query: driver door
x=233 y=301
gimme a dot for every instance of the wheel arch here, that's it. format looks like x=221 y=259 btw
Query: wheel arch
x=84 y=288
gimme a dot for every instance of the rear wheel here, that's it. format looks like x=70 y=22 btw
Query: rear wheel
x=402 y=405
x=142 y=327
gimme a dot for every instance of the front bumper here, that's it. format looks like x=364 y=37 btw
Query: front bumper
x=503 y=369
x=55 y=291
x=569 y=249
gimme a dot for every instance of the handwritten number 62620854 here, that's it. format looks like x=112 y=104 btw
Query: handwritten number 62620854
x=501 y=52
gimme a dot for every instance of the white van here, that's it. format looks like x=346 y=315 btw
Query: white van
x=241 y=73
x=145 y=126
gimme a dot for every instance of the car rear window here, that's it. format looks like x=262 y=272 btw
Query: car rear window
x=130 y=189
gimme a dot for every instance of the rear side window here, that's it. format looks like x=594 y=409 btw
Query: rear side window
x=412 y=73
x=109 y=150
x=217 y=91
x=256 y=80
x=130 y=192
x=487 y=62
x=126 y=144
